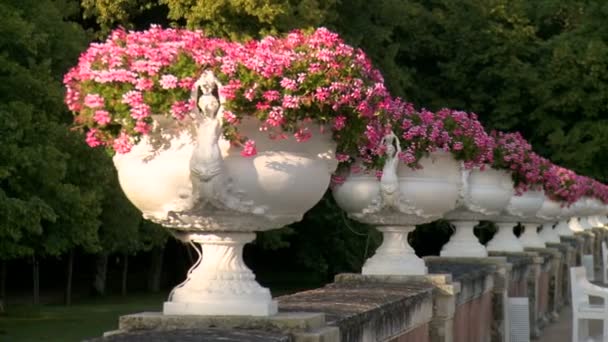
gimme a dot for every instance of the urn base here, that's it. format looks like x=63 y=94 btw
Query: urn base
x=464 y=243
x=395 y=256
x=504 y=240
x=220 y=283
x=530 y=237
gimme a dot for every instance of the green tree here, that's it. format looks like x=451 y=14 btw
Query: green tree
x=51 y=185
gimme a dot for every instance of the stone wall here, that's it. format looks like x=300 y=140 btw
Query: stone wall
x=461 y=300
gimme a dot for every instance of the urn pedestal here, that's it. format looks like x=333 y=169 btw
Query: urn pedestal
x=521 y=207
x=484 y=195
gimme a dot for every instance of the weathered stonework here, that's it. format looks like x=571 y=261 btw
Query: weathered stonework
x=445 y=292
x=525 y=282
x=480 y=313
x=550 y=286
x=367 y=310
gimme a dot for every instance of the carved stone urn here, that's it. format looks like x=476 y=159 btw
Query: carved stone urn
x=399 y=200
x=485 y=194
x=522 y=208
x=550 y=212
x=192 y=181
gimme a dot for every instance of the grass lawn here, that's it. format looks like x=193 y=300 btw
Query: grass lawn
x=86 y=319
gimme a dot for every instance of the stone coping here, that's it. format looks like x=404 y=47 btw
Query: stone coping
x=283 y=322
x=561 y=246
x=196 y=335
x=359 y=307
x=354 y=300
x=461 y=269
x=519 y=259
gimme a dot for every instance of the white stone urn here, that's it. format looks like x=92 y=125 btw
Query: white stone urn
x=485 y=194
x=396 y=203
x=550 y=212
x=189 y=179
x=521 y=208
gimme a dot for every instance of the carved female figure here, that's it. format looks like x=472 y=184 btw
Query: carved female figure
x=389 y=182
x=207 y=171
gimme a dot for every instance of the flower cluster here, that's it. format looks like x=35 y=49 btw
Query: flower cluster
x=512 y=152
x=118 y=85
x=562 y=185
x=285 y=83
x=422 y=132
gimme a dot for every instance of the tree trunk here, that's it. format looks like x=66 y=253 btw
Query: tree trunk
x=68 y=286
x=101 y=274
x=3 y=271
x=156 y=269
x=125 y=273
x=36 y=279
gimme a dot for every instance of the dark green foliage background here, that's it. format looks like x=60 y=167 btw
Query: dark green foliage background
x=540 y=67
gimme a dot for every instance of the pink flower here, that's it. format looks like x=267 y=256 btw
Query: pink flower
x=290 y=101
x=142 y=127
x=144 y=84
x=249 y=149
x=93 y=101
x=122 y=143
x=289 y=84
x=186 y=83
x=339 y=122
x=275 y=117
x=271 y=95
x=249 y=94
x=140 y=111
x=179 y=109
x=92 y=139
x=102 y=117
x=230 y=117
x=168 y=82
x=340 y=157
x=133 y=98
x=302 y=135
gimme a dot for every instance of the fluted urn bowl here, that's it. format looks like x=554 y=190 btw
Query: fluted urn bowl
x=550 y=210
x=424 y=194
x=527 y=204
x=485 y=194
x=275 y=187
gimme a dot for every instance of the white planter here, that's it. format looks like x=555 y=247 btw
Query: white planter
x=397 y=202
x=189 y=179
x=520 y=208
x=485 y=194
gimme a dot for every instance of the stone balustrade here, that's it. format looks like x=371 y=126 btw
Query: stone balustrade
x=462 y=299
